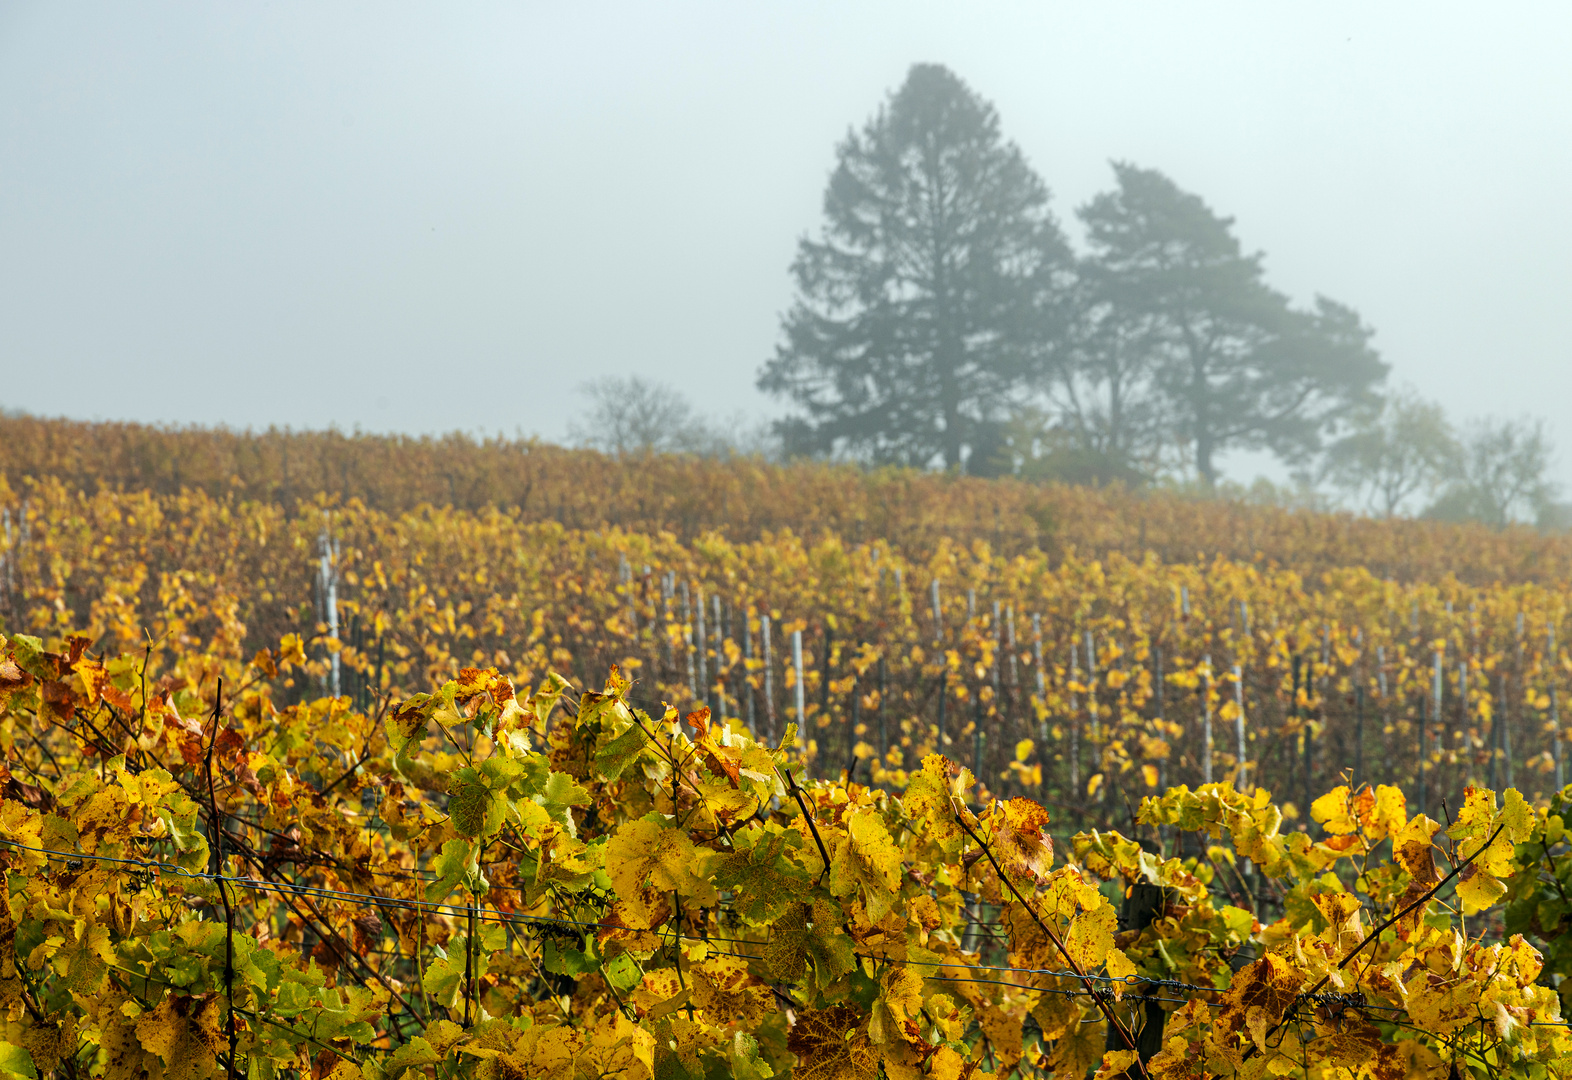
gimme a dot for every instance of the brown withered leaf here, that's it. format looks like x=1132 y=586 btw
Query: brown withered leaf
x=832 y=1044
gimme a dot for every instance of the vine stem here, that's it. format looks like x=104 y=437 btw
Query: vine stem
x=791 y=783
x=217 y=829
x=1097 y=996
x=1376 y=933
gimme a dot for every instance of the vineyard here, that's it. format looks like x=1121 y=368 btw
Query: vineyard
x=351 y=787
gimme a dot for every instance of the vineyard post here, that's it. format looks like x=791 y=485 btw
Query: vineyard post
x=938 y=620
x=1523 y=680
x=625 y=577
x=1295 y=712
x=796 y=666
x=944 y=690
x=1091 y=685
x=1075 y=725
x=720 y=651
x=1009 y=627
x=769 y=677
x=5 y=558
x=1239 y=726
x=328 y=570
x=1555 y=718
x=666 y=587
x=998 y=643
x=1495 y=738
x=351 y=691
x=938 y=648
x=702 y=688
x=1206 y=719
x=853 y=722
x=884 y=693
x=824 y=677
x=1359 y=734
x=1464 y=718
x=1386 y=741
x=1162 y=764
x=23 y=535
x=1042 y=678
x=687 y=639
x=1437 y=687
x=1506 y=733
x=747 y=655
x=977 y=737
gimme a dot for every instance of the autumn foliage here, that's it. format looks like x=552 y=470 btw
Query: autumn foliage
x=399 y=787
x=474 y=882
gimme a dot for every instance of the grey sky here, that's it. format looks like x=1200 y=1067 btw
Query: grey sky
x=426 y=217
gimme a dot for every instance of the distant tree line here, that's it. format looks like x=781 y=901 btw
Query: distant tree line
x=942 y=319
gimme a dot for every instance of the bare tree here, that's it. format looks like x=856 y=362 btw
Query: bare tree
x=1406 y=449
x=635 y=416
x=1499 y=477
x=1236 y=366
x=638 y=416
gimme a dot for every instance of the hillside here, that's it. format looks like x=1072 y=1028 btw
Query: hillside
x=745 y=499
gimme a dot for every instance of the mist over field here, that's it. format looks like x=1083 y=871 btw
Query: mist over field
x=428 y=220
x=785 y=541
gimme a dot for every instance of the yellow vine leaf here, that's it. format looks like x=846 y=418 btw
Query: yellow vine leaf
x=647 y=859
x=832 y=1044
x=1256 y=1001
x=866 y=862
x=1114 y=1063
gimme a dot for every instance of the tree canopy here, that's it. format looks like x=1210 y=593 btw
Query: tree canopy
x=937 y=273
x=1226 y=360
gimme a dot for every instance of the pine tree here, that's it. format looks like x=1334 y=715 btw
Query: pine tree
x=938 y=270
x=1234 y=364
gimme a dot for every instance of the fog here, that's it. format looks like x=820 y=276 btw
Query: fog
x=429 y=217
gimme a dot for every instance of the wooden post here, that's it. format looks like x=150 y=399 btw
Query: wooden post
x=667 y=586
x=1042 y=677
x=701 y=690
x=1091 y=685
x=687 y=641
x=852 y=723
x=1009 y=629
x=1162 y=766
x=720 y=652
x=1555 y=715
x=1386 y=741
x=944 y=687
x=1506 y=733
x=1206 y=719
x=938 y=647
x=998 y=647
x=1143 y=905
x=1437 y=689
x=1239 y=727
x=1075 y=728
x=769 y=678
x=625 y=578
x=884 y=693
x=796 y=664
x=747 y=654
x=977 y=738
x=1359 y=734
x=938 y=618
x=824 y=675
x=1461 y=737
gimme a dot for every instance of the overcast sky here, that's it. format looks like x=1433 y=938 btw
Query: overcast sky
x=437 y=216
